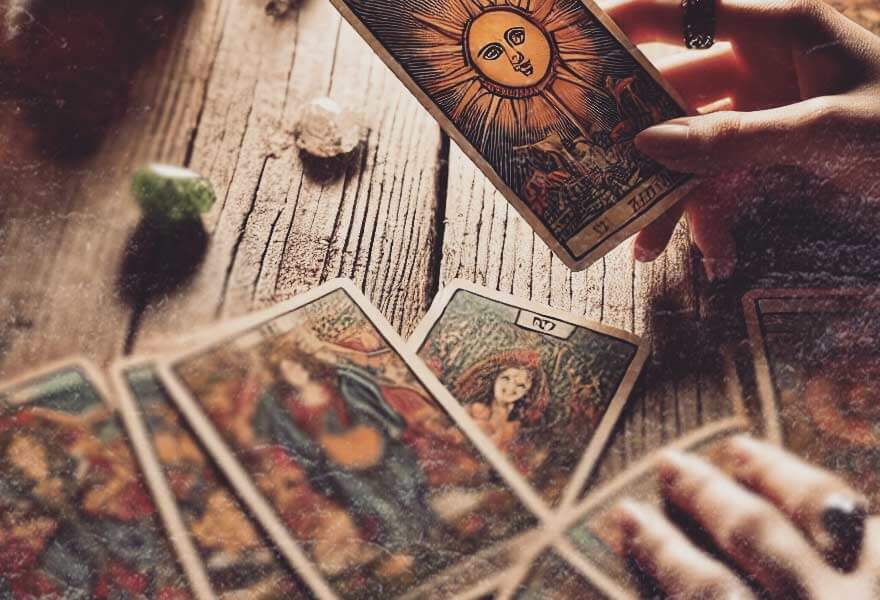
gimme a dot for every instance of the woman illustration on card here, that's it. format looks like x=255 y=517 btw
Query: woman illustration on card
x=507 y=395
x=332 y=417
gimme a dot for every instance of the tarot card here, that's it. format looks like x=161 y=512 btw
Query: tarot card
x=545 y=96
x=371 y=480
x=225 y=550
x=546 y=387
x=589 y=544
x=551 y=577
x=817 y=362
x=76 y=518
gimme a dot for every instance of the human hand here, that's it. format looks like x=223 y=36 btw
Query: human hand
x=790 y=530
x=804 y=86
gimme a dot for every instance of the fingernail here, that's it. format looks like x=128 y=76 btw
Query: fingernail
x=719 y=269
x=671 y=465
x=663 y=140
x=844 y=516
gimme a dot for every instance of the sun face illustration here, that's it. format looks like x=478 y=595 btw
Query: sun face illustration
x=541 y=90
x=509 y=50
x=512 y=63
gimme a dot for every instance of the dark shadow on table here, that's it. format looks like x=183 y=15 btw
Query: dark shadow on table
x=159 y=258
x=68 y=68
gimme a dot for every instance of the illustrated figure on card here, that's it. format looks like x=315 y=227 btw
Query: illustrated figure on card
x=364 y=468
x=334 y=416
x=545 y=387
x=508 y=394
x=77 y=520
x=547 y=96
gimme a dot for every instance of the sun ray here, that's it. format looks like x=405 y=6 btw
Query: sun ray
x=472 y=7
x=489 y=119
x=542 y=11
x=562 y=22
x=559 y=106
x=578 y=57
x=565 y=73
x=454 y=79
x=470 y=97
x=439 y=26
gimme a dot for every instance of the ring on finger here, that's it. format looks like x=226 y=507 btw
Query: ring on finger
x=698 y=23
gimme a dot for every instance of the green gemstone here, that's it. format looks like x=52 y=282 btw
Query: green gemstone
x=172 y=193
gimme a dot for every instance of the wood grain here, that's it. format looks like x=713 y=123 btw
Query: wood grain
x=284 y=225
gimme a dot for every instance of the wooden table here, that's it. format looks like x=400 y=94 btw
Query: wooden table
x=409 y=214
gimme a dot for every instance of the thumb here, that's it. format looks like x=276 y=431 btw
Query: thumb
x=789 y=135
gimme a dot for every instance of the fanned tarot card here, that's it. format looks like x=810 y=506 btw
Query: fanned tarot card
x=551 y=577
x=545 y=96
x=224 y=549
x=817 y=362
x=370 y=479
x=590 y=545
x=547 y=387
x=76 y=518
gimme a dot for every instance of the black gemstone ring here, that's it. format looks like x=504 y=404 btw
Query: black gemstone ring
x=699 y=23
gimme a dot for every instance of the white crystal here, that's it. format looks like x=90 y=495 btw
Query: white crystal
x=326 y=130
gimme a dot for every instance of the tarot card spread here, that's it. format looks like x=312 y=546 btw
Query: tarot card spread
x=545 y=96
x=224 y=547
x=77 y=521
x=367 y=475
x=817 y=358
x=546 y=388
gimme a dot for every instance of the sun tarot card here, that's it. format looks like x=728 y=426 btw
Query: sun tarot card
x=590 y=535
x=545 y=96
x=76 y=518
x=368 y=476
x=225 y=551
x=545 y=386
x=817 y=362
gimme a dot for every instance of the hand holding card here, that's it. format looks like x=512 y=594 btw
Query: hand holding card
x=545 y=96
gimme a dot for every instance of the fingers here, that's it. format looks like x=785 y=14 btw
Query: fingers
x=704 y=76
x=743 y=21
x=664 y=554
x=718 y=142
x=870 y=562
x=828 y=510
x=653 y=239
x=745 y=527
x=711 y=211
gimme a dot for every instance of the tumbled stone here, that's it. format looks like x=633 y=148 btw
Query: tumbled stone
x=326 y=130
x=172 y=193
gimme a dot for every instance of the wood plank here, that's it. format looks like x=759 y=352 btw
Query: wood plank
x=283 y=226
x=65 y=227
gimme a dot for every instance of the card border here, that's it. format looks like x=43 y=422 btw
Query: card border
x=732 y=383
x=758 y=343
x=593 y=451
x=145 y=453
x=573 y=262
x=88 y=368
x=241 y=481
